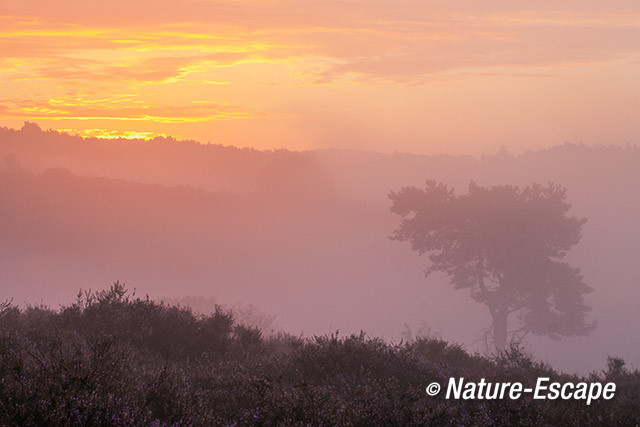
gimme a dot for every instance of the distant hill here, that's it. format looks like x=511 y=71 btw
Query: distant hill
x=302 y=235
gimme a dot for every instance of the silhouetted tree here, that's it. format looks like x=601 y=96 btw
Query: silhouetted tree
x=505 y=244
x=30 y=127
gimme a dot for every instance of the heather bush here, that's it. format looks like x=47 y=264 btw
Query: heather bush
x=112 y=358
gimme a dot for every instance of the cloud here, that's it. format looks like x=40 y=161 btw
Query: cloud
x=123 y=108
x=400 y=48
x=361 y=59
x=157 y=55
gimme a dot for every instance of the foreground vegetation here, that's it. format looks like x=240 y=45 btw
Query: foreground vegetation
x=114 y=359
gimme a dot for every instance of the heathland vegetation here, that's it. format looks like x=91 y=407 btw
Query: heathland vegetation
x=112 y=358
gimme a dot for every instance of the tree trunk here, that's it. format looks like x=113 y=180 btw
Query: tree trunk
x=500 y=328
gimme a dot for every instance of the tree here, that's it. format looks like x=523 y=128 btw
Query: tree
x=505 y=244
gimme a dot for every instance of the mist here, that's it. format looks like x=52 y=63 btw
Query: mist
x=302 y=235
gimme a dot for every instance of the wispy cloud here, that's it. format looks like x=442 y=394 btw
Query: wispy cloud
x=408 y=44
x=289 y=56
x=122 y=108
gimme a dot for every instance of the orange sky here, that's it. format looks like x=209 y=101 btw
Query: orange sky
x=422 y=76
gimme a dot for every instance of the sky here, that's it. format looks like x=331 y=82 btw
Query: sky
x=430 y=76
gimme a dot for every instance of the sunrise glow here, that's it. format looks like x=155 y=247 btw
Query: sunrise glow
x=426 y=77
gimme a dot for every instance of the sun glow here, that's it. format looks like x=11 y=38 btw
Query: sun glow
x=350 y=74
x=112 y=134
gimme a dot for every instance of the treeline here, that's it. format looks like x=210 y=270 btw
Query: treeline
x=112 y=358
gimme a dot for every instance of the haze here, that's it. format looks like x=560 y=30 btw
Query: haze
x=243 y=152
x=303 y=236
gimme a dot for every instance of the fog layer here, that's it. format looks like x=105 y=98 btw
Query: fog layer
x=303 y=236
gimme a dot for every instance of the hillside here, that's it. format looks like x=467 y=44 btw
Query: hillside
x=301 y=235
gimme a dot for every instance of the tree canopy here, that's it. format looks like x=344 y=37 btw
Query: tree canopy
x=505 y=244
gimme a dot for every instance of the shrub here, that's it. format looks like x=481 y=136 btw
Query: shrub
x=115 y=359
